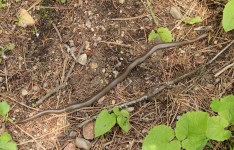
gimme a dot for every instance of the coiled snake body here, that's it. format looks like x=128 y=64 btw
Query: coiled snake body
x=117 y=80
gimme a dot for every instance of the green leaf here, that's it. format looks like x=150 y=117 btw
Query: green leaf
x=2 y=5
x=4 y=108
x=6 y=142
x=104 y=122
x=194 y=20
x=164 y=34
x=63 y=1
x=224 y=107
x=191 y=130
x=161 y=138
x=215 y=129
x=152 y=36
x=123 y=120
x=116 y=111
x=228 y=16
x=10 y=46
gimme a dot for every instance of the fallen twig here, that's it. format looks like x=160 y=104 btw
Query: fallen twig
x=157 y=89
x=59 y=35
x=62 y=85
x=224 y=69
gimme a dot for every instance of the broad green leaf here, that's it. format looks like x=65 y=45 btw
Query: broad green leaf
x=228 y=16
x=161 y=138
x=164 y=34
x=152 y=36
x=116 y=111
x=104 y=122
x=10 y=46
x=125 y=113
x=4 y=108
x=123 y=123
x=194 y=20
x=215 y=129
x=191 y=130
x=123 y=120
x=224 y=107
x=6 y=142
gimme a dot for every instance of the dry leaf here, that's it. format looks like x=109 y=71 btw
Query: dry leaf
x=25 y=19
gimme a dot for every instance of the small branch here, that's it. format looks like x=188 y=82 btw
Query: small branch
x=150 y=9
x=62 y=85
x=129 y=18
x=157 y=89
x=39 y=102
x=224 y=69
x=115 y=43
x=74 y=63
x=59 y=35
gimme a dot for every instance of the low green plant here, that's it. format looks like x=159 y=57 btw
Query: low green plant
x=105 y=121
x=163 y=33
x=193 y=20
x=6 y=142
x=194 y=129
x=3 y=4
x=228 y=16
x=63 y=1
x=4 y=49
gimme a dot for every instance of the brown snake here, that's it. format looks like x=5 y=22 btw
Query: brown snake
x=117 y=80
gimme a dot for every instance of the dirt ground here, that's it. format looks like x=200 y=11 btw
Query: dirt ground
x=114 y=35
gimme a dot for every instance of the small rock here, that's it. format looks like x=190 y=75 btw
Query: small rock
x=121 y=1
x=130 y=109
x=70 y=146
x=210 y=86
x=83 y=59
x=175 y=12
x=115 y=73
x=101 y=100
x=1 y=79
x=73 y=134
x=82 y=143
x=93 y=65
x=88 y=24
x=35 y=88
x=113 y=102
x=103 y=70
x=45 y=85
x=24 y=92
x=88 y=131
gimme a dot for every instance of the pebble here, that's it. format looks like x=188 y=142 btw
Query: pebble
x=88 y=24
x=115 y=73
x=121 y=1
x=93 y=65
x=210 y=86
x=45 y=85
x=1 y=79
x=101 y=100
x=103 y=70
x=70 y=146
x=24 y=92
x=88 y=131
x=82 y=143
x=175 y=12
x=73 y=134
x=82 y=59
x=35 y=88
x=130 y=109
